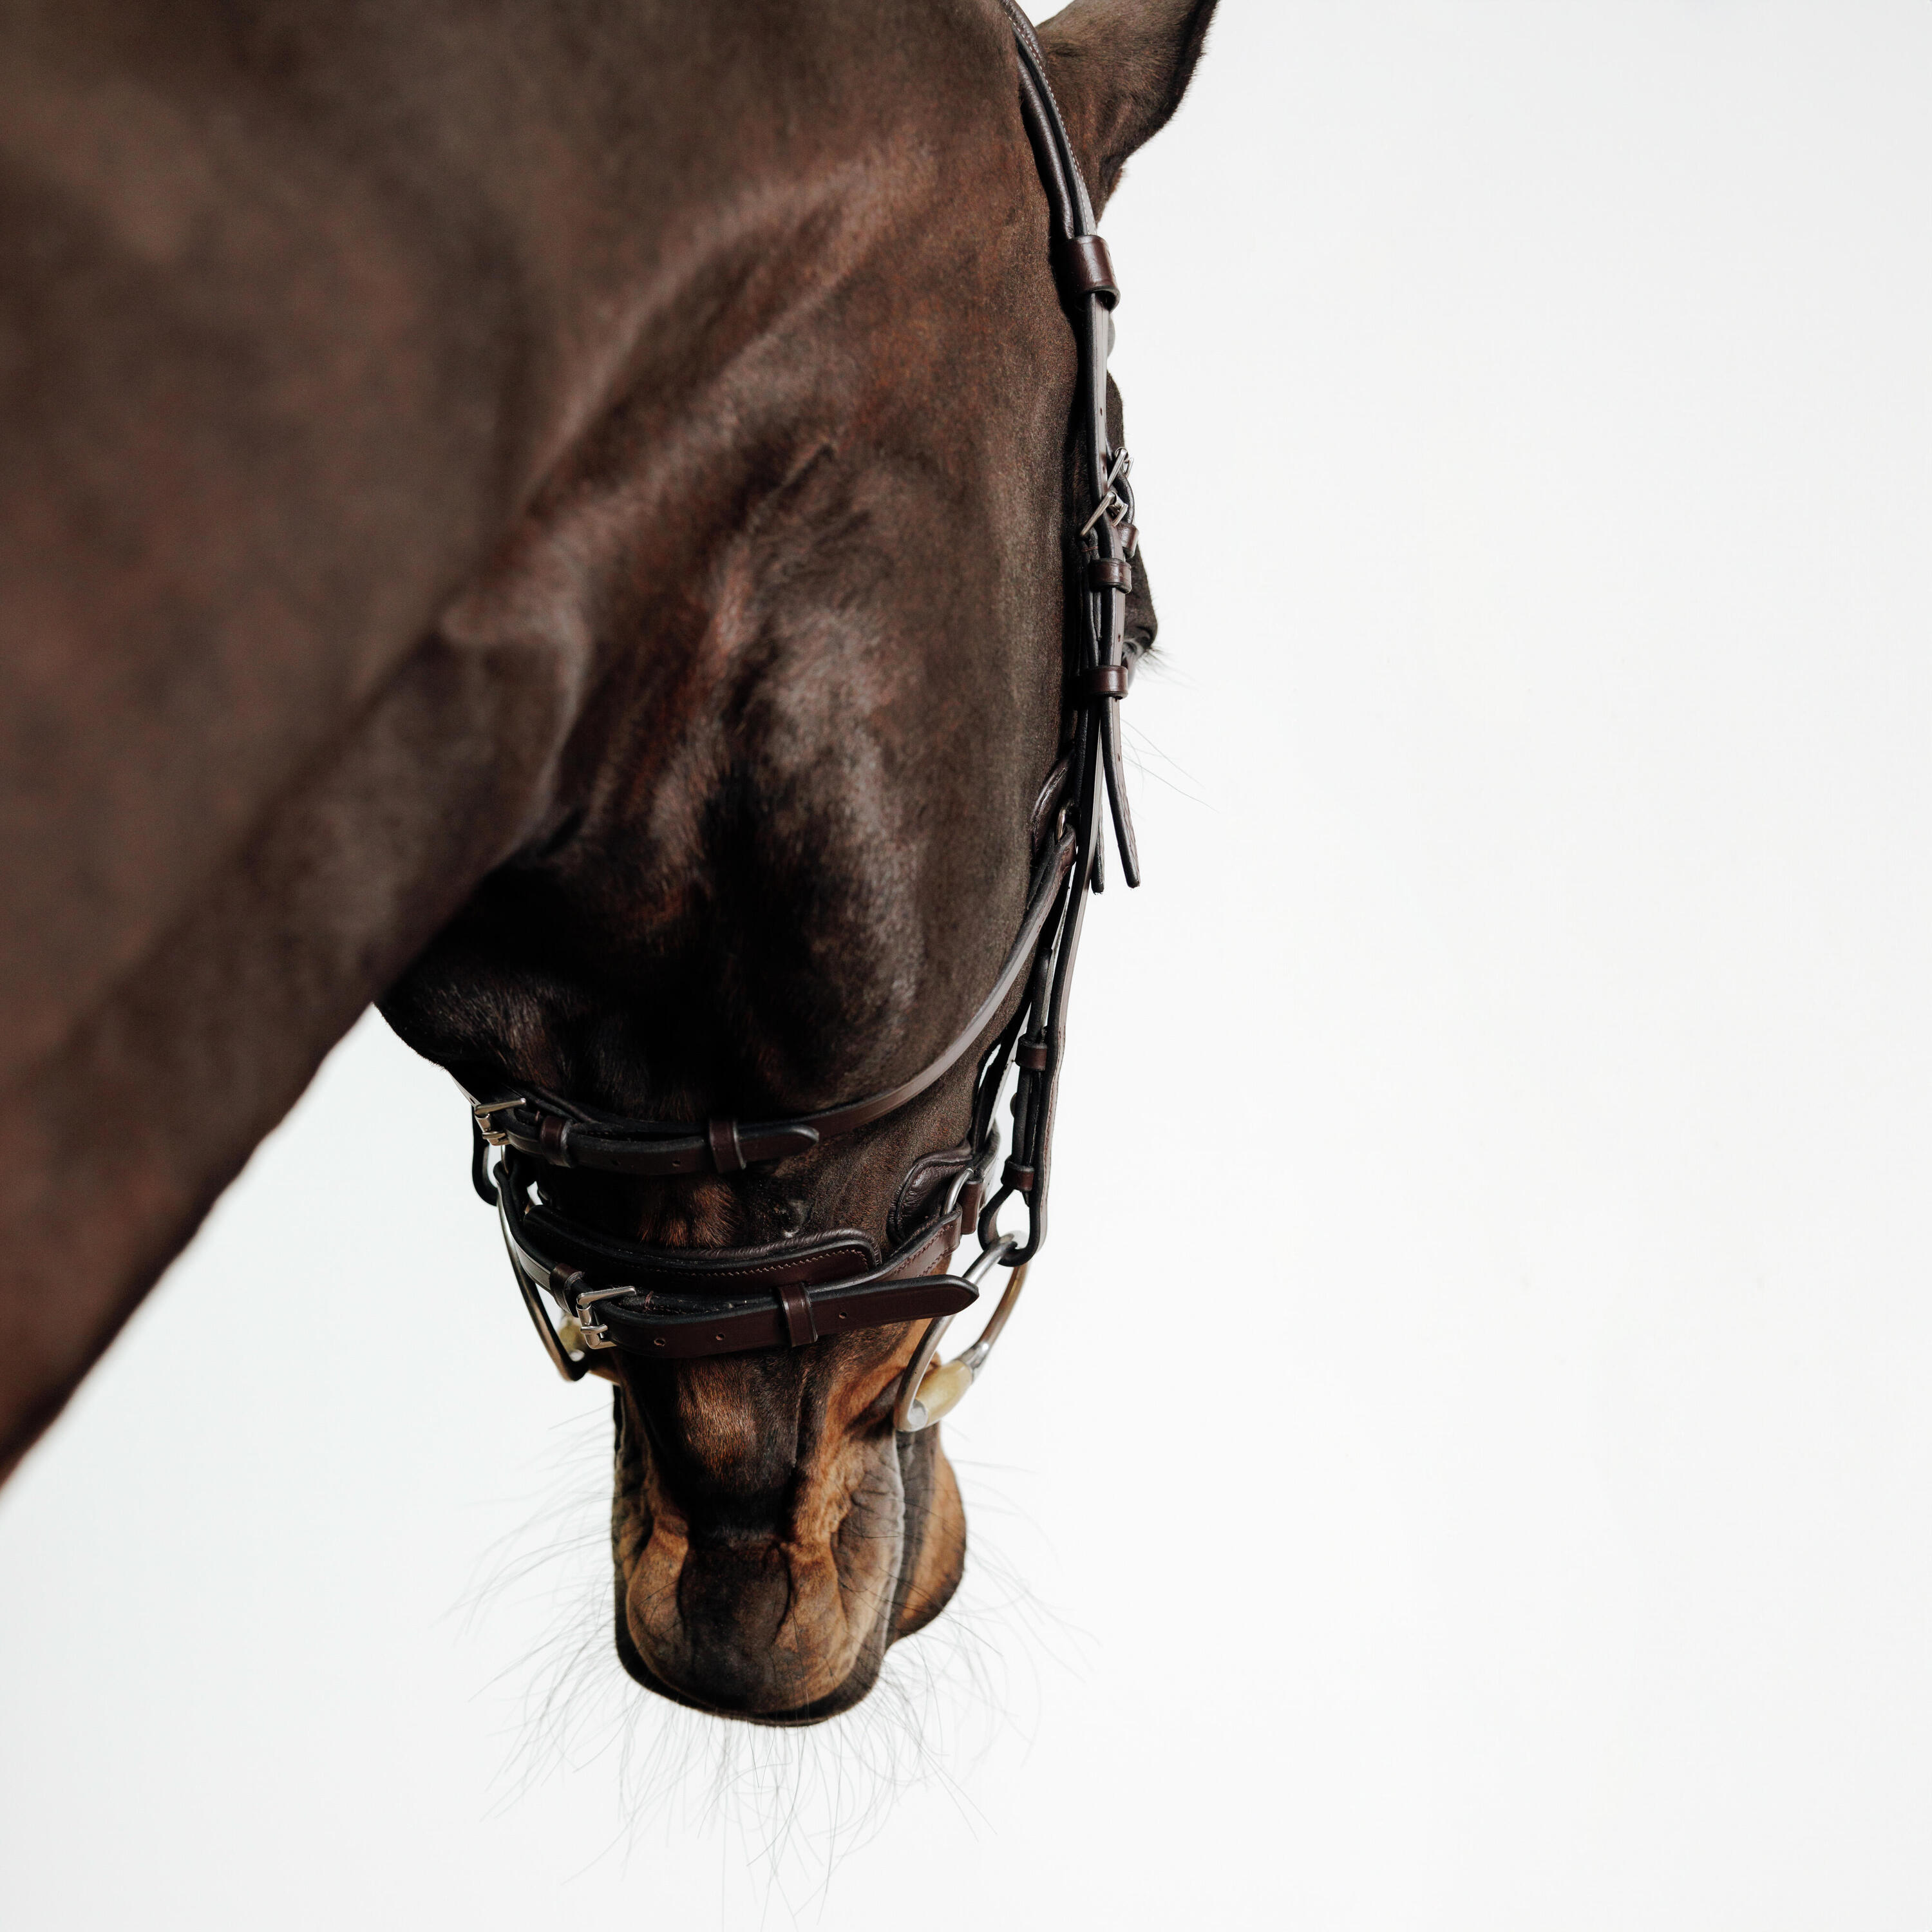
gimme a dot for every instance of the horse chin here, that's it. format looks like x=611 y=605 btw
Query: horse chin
x=789 y=1628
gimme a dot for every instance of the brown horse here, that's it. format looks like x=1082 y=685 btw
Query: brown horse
x=555 y=521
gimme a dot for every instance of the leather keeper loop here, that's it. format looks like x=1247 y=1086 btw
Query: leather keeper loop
x=549 y=1137
x=1109 y=681
x=1087 y=269
x=1109 y=573
x=1032 y=1055
x=1017 y=1175
x=727 y=1156
x=800 y=1328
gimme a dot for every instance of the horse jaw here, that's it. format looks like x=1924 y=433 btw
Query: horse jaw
x=769 y=1553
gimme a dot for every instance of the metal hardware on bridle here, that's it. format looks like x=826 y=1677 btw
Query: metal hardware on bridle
x=927 y=1393
x=1120 y=509
x=608 y=1294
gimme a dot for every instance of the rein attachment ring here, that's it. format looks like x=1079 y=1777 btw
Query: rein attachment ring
x=930 y=1390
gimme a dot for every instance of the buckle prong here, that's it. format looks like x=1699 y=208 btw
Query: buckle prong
x=1113 y=505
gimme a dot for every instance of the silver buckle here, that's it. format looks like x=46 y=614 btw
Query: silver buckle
x=1113 y=505
x=576 y=1331
x=568 y=1342
x=483 y=1109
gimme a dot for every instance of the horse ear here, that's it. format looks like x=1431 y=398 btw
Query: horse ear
x=1120 y=68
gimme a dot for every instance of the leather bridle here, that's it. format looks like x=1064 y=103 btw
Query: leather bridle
x=673 y=1304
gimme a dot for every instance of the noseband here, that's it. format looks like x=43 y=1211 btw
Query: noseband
x=675 y=1304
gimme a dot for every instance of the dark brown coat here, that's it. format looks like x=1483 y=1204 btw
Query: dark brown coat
x=569 y=497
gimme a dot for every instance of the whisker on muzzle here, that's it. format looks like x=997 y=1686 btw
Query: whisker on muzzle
x=794 y=1801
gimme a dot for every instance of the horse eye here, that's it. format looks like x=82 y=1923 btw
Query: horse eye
x=792 y=1215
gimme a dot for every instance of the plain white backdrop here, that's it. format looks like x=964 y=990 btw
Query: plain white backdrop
x=1494 y=1490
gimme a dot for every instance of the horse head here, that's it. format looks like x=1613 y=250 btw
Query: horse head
x=811 y=561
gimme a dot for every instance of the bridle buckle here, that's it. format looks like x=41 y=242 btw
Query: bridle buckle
x=1115 y=506
x=483 y=1109
x=578 y=1330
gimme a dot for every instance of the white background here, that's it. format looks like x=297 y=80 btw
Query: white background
x=1467 y=1462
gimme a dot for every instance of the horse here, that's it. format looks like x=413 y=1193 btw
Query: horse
x=559 y=524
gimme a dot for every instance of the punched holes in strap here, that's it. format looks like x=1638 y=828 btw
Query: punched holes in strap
x=1086 y=269
x=1109 y=681
x=727 y=1155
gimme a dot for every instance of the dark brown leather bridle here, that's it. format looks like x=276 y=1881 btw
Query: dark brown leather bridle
x=674 y=1304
